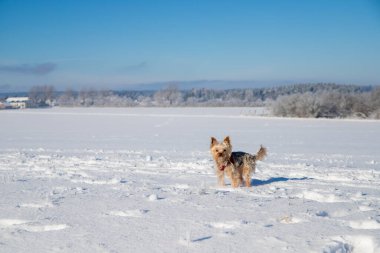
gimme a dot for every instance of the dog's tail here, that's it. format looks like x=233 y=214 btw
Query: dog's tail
x=261 y=153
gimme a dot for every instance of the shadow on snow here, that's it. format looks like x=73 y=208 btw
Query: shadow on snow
x=257 y=182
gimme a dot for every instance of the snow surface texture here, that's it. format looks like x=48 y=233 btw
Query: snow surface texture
x=142 y=180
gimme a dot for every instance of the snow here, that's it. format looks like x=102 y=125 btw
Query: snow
x=142 y=180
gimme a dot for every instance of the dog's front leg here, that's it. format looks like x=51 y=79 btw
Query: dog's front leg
x=220 y=176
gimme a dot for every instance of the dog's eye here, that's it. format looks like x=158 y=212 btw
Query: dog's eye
x=216 y=150
x=224 y=150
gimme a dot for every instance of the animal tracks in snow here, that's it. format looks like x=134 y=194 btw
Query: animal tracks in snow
x=352 y=244
x=137 y=213
x=227 y=224
x=289 y=219
x=107 y=189
x=364 y=224
x=35 y=205
x=6 y=223
x=43 y=228
x=30 y=226
x=321 y=197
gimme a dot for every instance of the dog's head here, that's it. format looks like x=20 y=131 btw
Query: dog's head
x=221 y=151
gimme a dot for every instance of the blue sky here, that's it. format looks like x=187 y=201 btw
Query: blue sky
x=115 y=44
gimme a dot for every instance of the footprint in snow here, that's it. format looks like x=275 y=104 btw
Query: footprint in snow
x=351 y=244
x=364 y=224
x=322 y=197
x=289 y=219
x=34 y=205
x=200 y=239
x=187 y=239
x=322 y=214
x=337 y=246
x=6 y=223
x=110 y=181
x=153 y=197
x=227 y=224
x=365 y=208
x=137 y=213
x=43 y=228
x=340 y=213
x=30 y=226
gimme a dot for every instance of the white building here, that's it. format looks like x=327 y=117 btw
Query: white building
x=17 y=102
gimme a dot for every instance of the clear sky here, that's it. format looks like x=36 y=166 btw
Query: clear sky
x=72 y=43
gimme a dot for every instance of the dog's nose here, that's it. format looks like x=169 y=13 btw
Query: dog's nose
x=220 y=154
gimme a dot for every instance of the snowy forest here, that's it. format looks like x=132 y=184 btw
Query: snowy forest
x=327 y=100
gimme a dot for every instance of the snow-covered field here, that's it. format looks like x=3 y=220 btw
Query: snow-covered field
x=142 y=180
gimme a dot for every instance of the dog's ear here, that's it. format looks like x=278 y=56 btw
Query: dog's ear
x=213 y=142
x=227 y=141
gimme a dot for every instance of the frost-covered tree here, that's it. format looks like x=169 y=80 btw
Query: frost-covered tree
x=169 y=96
x=40 y=96
x=68 y=98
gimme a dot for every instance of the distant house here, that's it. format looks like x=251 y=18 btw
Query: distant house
x=17 y=102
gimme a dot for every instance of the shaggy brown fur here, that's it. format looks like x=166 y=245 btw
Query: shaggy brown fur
x=238 y=166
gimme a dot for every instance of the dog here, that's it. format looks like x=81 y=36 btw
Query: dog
x=237 y=165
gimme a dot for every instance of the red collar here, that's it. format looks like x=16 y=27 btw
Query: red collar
x=222 y=167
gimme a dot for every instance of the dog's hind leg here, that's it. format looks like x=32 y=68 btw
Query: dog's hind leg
x=236 y=182
x=236 y=178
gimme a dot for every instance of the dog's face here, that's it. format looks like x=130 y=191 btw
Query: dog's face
x=221 y=151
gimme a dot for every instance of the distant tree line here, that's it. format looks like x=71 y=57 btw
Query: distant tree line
x=330 y=102
x=327 y=100
x=168 y=97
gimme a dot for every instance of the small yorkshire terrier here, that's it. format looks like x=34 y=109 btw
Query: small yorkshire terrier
x=237 y=165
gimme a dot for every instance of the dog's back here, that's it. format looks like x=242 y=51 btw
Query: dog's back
x=243 y=159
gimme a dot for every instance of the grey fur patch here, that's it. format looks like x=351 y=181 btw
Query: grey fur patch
x=242 y=159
